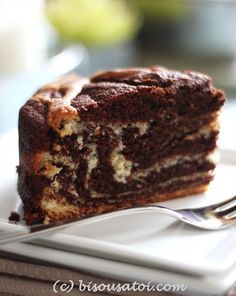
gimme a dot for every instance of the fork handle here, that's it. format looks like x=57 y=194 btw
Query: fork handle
x=31 y=232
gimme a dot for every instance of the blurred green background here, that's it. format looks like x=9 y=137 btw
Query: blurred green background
x=175 y=33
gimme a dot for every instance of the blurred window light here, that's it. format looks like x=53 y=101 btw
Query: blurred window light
x=22 y=38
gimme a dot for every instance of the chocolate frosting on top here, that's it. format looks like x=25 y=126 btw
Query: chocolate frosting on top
x=142 y=93
x=156 y=76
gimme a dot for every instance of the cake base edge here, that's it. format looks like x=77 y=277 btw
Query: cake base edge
x=68 y=211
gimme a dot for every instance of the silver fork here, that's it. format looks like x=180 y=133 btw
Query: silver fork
x=214 y=217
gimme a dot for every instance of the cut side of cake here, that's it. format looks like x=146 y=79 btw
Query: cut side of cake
x=121 y=138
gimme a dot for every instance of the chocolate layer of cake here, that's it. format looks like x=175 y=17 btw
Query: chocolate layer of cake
x=122 y=138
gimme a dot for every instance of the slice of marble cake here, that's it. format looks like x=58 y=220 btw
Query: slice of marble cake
x=122 y=138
